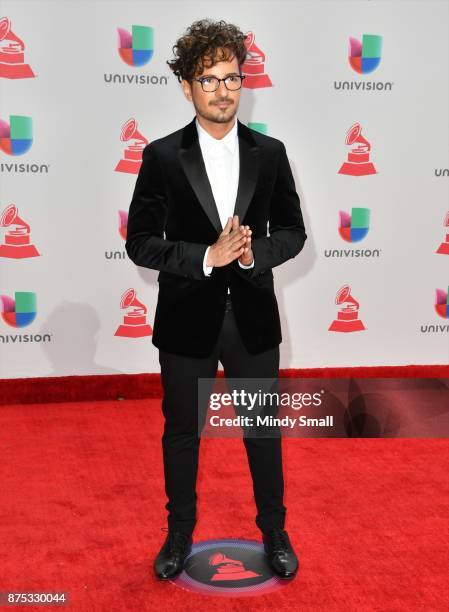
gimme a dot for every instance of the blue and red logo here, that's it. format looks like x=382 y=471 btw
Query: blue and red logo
x=136 y=47
x=123 y=223
x=442 y=303
x=16 y=137
x=364 y=57
x=355 y=226
x=18 y=312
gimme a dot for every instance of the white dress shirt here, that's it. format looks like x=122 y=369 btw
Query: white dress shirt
x=221 y=158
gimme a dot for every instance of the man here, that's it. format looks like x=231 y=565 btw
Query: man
x=216 y=298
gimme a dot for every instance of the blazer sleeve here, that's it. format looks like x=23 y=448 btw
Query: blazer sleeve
x=145 y=242
x=286 y=226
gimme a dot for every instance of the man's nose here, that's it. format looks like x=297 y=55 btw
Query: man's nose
x=222 y=88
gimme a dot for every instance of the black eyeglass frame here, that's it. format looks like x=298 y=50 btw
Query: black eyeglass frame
x=200 y=80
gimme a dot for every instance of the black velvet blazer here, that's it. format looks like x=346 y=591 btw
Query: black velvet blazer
x=173 y=219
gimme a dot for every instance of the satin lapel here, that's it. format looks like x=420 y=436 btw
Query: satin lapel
x=249 y=170
x=193 y=164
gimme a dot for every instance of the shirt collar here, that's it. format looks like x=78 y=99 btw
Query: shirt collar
x=229 y=141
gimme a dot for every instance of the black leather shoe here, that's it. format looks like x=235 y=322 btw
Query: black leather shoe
x=281 y=556
x=170 y=560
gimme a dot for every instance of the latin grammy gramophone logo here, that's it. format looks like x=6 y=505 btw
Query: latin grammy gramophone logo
x=348 y=314
x=12 y=57
x=358 y=162
x=364 y=57
x=132 y=155
x=136 y=47
x=17 y=243
x=355 y=226
x=254 y=65
x=228 y=567
x=442 y=303
x=16 y=137
x=135 y=320
x=443 y=249
x=20 y=311
x=123 y=223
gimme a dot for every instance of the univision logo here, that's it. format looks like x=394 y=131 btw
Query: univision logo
x=19 y=312
x=262 y=128
x=136 y=48
x=364 y=57
x=122 y=230
x=353 y=227
x=441 y=172
x=123 y=223
x=441 y=306
x=16 y=138
x=442 y=303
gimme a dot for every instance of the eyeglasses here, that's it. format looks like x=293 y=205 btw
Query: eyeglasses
x=211 y=83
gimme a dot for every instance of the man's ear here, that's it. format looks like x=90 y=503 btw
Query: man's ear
x=186 y=88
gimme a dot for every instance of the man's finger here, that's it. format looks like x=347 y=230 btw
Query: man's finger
x=236 y=246
x=235 y=238
x=235 y=234
x=227 y=227
x=235 y=254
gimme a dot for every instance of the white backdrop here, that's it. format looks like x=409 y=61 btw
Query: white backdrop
x=72 y=203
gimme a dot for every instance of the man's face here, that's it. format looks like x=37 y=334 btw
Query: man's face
x=218 y=106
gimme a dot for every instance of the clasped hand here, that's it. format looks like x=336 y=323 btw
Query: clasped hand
x=234 y=242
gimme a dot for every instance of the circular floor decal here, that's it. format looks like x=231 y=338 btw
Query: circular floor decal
x=230 y=568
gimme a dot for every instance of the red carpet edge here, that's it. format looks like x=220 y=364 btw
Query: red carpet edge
x=138 y=386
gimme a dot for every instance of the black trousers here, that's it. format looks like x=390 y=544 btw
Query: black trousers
x=180 y=440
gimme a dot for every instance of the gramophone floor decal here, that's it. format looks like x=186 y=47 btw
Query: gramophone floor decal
x=228 y=568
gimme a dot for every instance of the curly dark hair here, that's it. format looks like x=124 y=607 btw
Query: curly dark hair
x=214 y=41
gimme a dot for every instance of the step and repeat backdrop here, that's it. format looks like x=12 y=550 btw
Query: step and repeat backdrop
x=358 y=92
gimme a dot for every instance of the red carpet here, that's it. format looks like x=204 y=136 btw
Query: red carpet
x=82 y=508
